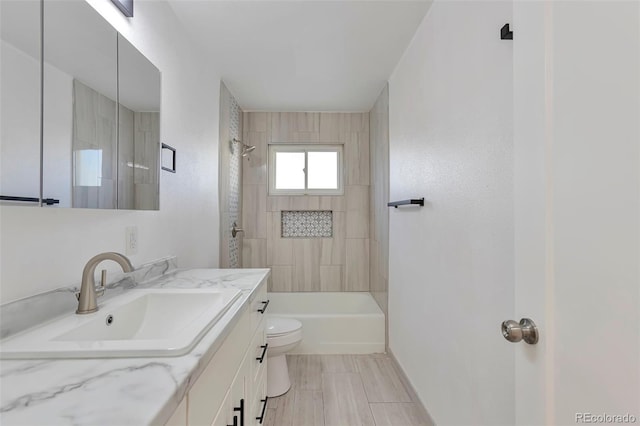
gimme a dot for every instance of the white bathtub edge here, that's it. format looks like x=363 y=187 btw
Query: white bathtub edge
x=361 y=331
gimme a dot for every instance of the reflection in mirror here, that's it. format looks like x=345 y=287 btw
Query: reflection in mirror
x=138 y=130
x=20 y=100
x=102 y=113
x=80 y=108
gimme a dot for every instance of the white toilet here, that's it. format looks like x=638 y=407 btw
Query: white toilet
x=283 y=334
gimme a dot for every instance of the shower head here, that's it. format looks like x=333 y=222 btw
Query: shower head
x=246 y=149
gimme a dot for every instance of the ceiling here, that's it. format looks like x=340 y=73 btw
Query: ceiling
x=302 y=55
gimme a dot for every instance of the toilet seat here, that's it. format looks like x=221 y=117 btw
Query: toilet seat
x=277 y=327
x=275 y=342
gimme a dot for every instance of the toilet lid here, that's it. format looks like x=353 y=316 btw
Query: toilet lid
x=280 y=326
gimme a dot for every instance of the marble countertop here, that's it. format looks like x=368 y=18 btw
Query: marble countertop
x=120 y=391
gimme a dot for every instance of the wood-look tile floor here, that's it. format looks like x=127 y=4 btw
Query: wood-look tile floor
x=344 y=390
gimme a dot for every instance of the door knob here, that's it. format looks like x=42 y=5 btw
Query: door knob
x=524 y=330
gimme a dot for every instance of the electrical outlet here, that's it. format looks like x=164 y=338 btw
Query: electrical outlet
x=131 y=240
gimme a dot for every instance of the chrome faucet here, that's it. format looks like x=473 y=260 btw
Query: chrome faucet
x=87 y=296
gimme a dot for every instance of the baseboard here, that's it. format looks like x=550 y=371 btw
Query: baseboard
x=407 y=383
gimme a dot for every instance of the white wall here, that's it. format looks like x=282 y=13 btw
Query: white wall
x=43 y=248
x=58 y=130
x=20 y=132
x=451 y=262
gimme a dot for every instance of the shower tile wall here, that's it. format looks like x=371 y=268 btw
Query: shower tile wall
x=138 y=146
x=379 y=231
x=145 y=160
x=339 y=263
x=230 y=169
x=126 y=153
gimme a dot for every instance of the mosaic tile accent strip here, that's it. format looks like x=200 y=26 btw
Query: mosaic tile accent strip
x=307 y=224
x=235 y=171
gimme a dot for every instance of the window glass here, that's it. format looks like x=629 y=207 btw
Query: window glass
x=88 y=167
x=289 y=170
x=322 y=170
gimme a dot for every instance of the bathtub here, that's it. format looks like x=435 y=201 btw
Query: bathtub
x=333 y=323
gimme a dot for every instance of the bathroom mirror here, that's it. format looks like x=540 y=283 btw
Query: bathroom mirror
x=100 y=116
x=101 y=113
x=20 y=99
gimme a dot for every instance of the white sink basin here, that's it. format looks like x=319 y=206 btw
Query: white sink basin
x=168 y=322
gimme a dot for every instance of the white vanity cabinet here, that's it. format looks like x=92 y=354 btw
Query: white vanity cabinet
x=232 y=388
x=233 y=411
x=255 y=378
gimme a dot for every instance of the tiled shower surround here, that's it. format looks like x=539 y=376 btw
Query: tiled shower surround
x=235 y=179
x=337 y=263
x=230 y=179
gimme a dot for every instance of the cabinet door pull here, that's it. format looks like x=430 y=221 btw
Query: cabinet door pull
x=235 y=421
x=264 y=352
x=264 y=308
x=241 y=410
x=264 y=408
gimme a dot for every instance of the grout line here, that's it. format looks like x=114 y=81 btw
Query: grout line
x=294 y=402
x=367 y=396
x=372 y=416
x=324 y=421
x=399 y=403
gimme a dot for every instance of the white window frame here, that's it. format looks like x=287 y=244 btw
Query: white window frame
x=275 y=148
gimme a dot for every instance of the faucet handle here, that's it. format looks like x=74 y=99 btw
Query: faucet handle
x=103 y=283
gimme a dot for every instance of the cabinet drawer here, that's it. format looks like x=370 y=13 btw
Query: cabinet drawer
x=208 y=392
x=257 y=305
x=258 y=401
x=261 y=377
x=225 y=413
x=256 y=349
x=238 y=399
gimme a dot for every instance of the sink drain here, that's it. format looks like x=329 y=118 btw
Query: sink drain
x=109 y=320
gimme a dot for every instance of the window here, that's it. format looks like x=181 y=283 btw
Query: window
x=87 y=165
x=305 y=169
